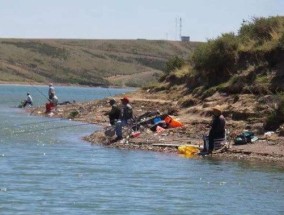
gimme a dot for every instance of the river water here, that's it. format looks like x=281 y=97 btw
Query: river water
x=47 y=169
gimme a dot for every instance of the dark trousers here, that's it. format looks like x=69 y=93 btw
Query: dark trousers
x=213 y=136
x=26 y=103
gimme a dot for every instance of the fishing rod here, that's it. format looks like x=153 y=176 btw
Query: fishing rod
x=105 y=86
x=39 y=91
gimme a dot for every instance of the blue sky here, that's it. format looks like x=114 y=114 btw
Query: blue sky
x=129 y=19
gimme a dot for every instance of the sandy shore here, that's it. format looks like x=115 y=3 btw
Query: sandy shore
x=195 y=125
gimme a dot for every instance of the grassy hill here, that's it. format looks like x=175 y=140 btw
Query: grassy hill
x=243 y=72
x=87 y=62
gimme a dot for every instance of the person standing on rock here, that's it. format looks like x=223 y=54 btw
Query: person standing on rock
x=126 y=116
x=115 y=112
x=51 y=91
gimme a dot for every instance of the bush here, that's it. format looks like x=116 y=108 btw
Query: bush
x=217 y=59
x=281 y=42
x=174 y=63
x=259 y=29
x=73 y=114
x=234 y=85
x=276 y=118
x=209 y=92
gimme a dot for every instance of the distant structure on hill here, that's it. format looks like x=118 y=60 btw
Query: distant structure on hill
x=182 y=38
x=185 y=38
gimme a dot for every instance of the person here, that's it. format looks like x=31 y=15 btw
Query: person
x=51 y=91
x=126 y=110
x=115 y=112
x=67 y=102
x=53 y=102
x=217 y=130
x=125 y=117
x=29 y=100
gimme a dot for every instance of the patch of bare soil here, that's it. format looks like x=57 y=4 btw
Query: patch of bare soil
x=195 y=119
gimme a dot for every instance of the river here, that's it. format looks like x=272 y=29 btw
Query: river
x=46 y=168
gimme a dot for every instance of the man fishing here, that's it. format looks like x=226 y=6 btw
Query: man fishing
x=114 y=113
x=51 y=91
x=29 y=100
x=125 y=117
x=217 y=130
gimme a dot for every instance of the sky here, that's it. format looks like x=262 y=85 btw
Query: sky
x=130 y=19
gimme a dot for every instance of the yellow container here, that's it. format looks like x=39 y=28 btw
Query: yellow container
x=188 y=150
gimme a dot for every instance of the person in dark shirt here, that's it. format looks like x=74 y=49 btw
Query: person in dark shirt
x=125 y=117
x=217 y=130
x=115 y=112
x=126 y=111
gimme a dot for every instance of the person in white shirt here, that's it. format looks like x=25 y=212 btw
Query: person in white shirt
x=51 y=91
x=54 y=100
x=29 y=100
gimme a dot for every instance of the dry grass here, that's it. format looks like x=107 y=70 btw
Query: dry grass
x=90 y=62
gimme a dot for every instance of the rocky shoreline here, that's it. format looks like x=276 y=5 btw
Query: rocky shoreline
x=195 y=125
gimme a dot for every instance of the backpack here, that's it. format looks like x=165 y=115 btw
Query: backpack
x=244 y=138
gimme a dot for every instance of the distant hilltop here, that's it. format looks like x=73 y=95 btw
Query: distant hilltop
x=87 y=62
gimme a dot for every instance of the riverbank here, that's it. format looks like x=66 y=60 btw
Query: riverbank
x=195 y=125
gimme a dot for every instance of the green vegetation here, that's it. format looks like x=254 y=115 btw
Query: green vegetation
x=216 y=60
x=73 y=114
x=249 y=62
x=173 y=64
x=237 y=66
x=260 y=30
x=276 y=118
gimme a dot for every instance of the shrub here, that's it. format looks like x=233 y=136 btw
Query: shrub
x=234 y=85
x=281 y=41
x=174 y=63
x=73 y=114
x=217 y=58
x=259 y=29
x=276 y=118
x=185 y=103
x=209 y=92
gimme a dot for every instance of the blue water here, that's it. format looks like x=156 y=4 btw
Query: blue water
x=47 y=169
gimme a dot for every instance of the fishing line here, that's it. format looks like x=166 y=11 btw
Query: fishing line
x=33 y=123
x=39 y=91
x=109 y=92
x=46 y=129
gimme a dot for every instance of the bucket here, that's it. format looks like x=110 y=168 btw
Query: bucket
x=110 y=132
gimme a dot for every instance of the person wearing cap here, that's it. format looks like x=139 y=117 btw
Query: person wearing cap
x=51 y=91
x=115 y=112
x=217 y=129
x=127 y=112
x=125 y=116
x=29 y=100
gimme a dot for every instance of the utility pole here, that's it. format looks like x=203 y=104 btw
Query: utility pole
x=180 y=27
x=176 y=28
